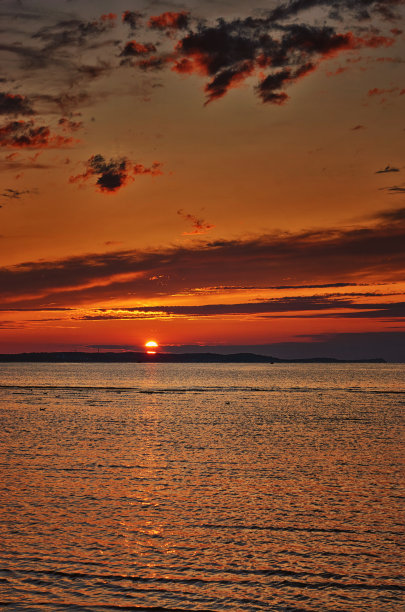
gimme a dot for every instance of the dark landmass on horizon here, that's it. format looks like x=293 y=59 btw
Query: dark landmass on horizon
x=139 y=357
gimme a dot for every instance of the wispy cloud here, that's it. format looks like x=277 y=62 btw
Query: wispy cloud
x=387 y=169
x=372 y=253
x=199 y=226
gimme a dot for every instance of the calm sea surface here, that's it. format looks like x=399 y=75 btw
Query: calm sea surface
x=201 y=487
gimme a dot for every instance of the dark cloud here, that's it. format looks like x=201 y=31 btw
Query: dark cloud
x=276 y=306
x=133 y=19
x=25 y=134
x=113 y=174
x=387 y=169
x=358 y=127
x=372 y=253
x=231 y=51
x=199 y=226
x=15 y=105
x=271 y=48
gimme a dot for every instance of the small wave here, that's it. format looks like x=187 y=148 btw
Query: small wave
x=299 y=529
x=332 y=580
x=94 y=608
x=22 y=389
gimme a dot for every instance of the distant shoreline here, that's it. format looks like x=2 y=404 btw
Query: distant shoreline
x=138 y=357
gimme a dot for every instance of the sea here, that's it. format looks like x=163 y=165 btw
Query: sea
x=201 y=487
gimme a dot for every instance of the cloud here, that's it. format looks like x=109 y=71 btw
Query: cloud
x=25 y=134
x=299 y=306
x=15 y=165
x=90 y=72
x=229 y=52
x=270 y=48
x=362 y=11
x=387 y=169
x=15 y=105
x=372 y=252
x=393 y=215
x=199 y=225
x=115 y=173
x=133 y=19
x=381 y=92
x=31 y=57
x=114 y=347
x=358 y=127
x=73 y=32
x=15 y=194
x=67 y=102
x=136 y=49
x=394 y=189
x=69 y=126
x=170 y=21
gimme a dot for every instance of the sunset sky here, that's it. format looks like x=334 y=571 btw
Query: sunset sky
x=211 y=175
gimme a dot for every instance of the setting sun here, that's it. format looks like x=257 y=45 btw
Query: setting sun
x=151 y=344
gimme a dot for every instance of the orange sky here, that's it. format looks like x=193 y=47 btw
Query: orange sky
x=215 y=175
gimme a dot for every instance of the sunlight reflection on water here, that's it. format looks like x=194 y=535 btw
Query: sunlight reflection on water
x=204 y=487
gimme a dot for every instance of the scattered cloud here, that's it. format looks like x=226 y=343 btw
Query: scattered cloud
x=229 y=52
x=15 y=194
x=382 y=92
x=25 y=134
x=115 y=173
x=277 y=47
x=387 y=169
x=199 y=226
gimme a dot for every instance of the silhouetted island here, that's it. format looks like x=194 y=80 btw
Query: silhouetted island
x=139 y=357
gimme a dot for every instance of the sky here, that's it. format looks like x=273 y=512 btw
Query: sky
x=211 y=175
